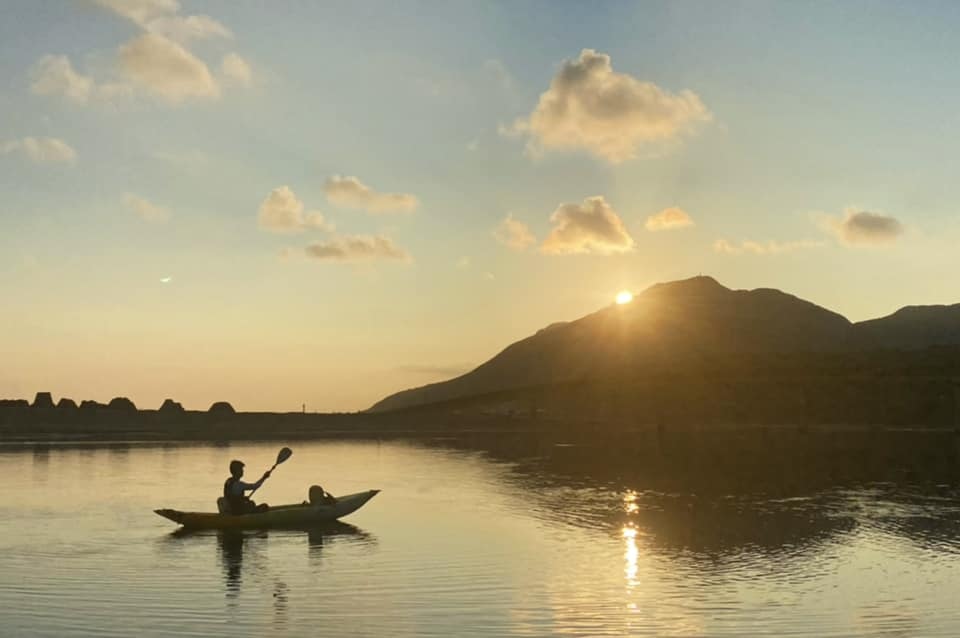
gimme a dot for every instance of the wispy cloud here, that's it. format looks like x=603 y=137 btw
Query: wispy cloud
x=55 y=75
x=146 y=210
x=514 y=234
x=590 y=227
x=283 y=212
x=668 y=219
x=236 y=70
x=352 y=193
x=590 y=106
x=357 y=248
x=769 y=247
x=41 y=150
x=163 y=18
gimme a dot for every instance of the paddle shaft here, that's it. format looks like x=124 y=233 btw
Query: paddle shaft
x=261 y=485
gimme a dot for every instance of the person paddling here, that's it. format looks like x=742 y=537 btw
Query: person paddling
x=234 y=491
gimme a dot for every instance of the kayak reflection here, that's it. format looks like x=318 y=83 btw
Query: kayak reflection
x=242 y=552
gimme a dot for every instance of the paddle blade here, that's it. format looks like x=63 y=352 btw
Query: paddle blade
x=284 y=454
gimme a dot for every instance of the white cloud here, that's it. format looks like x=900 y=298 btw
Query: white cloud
x=860 y=227
x=769 y=247
x=167 y=69
x=357 y=248
x=236 y=70
x=147 y=211
x=611 y=115
x=590 y=227
x=668 y=219
x=352 y=193
x=42 y=150
x=514 y=234
x=141 y=12
x=55 y=75
x=156 y=61
x=162 y=17
x=283 y=212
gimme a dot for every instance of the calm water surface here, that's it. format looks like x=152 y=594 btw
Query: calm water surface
x=540 y=540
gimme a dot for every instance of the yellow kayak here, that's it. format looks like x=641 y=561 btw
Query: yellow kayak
x=299 y=515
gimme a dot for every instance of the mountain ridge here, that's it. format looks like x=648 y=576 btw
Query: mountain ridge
x=679 y=323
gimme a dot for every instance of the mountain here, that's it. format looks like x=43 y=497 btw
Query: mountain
x=677 y=324
x=914 y=328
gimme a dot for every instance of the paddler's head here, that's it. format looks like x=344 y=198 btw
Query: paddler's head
x=236 y=468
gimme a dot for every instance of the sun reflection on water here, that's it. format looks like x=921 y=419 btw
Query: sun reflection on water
x=631 y=554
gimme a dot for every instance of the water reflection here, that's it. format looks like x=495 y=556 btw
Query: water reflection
x=744 y=498
x=230 y=546
x=236 y=548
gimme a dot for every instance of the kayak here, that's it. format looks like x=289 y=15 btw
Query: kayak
x=299 y=515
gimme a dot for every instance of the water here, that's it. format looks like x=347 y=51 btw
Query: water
x=503 y=538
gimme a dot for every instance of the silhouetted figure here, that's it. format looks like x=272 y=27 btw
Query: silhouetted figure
x=319 y=496
x=234 y=491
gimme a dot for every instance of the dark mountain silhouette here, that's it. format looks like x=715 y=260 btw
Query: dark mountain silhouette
x=914 y=328
x=684 y=325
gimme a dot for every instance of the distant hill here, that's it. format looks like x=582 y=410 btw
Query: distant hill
x=680 y=324
x=913 y=328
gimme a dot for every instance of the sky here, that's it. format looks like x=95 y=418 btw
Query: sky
x=289 y=203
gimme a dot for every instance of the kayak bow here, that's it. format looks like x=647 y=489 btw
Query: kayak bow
x=279 y=516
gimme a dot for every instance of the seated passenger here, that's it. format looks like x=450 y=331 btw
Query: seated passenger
x=234 y=491
x=320 y=497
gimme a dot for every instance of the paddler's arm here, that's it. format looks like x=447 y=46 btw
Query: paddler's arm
x=246 y=487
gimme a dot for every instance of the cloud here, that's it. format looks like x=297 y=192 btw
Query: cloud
x=156 y=61
x=590 y=227
x=463 y=262
x=357 y=248
x=612 y=115
x=283 y=212
x=41 y=150
x=769 y=247
x=167 y=69
x=236 y=70
x=352 y=193
x=514 y=234
x=162 y=17
x=55 y=75
x=860 y=227
x=668 y=219
x=147 y=211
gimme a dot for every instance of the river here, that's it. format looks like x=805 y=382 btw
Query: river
x=512 y=538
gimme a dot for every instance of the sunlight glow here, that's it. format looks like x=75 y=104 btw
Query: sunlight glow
x=624 y=296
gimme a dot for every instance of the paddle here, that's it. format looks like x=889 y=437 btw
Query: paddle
x=282 y=456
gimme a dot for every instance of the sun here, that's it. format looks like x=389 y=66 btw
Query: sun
x=624 y=296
